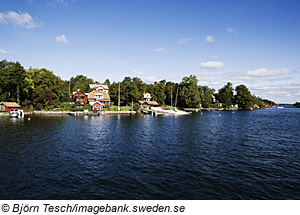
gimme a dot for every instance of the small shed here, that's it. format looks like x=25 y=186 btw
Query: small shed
x=147 y=104
x=7 y=106
x=97 y=106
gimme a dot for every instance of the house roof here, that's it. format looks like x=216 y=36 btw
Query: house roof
x=11 y=104
x=105 y=87
x=154 y=103
x=97 y=102
x=83 y=94
x=92 y=94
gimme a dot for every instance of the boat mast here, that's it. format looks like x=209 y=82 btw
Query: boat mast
x=171 y=96
x=119 y=98
x=176 y=97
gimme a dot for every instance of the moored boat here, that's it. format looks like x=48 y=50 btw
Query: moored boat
x=15 y=113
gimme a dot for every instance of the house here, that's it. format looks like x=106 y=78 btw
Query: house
x=213 y=98
x=80 y=97
x=101 y=87
x=219 y=104
x=147 y=96
x=97 y=106
x=99 y=96
x=148 y=104
x=7 y=106
x=255 y=106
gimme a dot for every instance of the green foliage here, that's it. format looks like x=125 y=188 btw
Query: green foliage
x=76 y=109
x=49 y=88
x=159 y=92
x=65 y=106
x=243 y=97
x=189 y=95
x=226 y=95
x=136 y=106
x=80 y=82
x=12 y=81
x=259 y=102
x=206 y=96
x=41 y=89
x=87 y=107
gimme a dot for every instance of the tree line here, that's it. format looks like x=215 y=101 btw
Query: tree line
x=42 y=89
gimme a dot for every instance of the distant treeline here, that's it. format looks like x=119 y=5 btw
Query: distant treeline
x=41 y=88
x=297 y=104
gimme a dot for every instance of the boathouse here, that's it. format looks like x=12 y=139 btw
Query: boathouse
x=97 y=106
x=7 y=106
x=148 y=104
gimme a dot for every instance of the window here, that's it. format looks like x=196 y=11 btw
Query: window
x=2 y=107
x=99 y=96
x=96 y=106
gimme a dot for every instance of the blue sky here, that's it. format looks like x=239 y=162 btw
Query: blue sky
x=256 y=43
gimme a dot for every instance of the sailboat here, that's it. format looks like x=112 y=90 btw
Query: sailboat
x=174 y=110
x=280 y=107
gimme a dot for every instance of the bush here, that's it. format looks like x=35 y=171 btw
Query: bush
x=87 y=107
x=65 y=106
x=136 y=106
x=39 y=106
x=76 y=109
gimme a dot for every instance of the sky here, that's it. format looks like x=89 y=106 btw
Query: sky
x=250 y=42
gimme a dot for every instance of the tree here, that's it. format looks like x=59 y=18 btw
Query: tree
x=243 y=97
x=226 y=95
x=44 y=80
x=189 y=95
x=113 y=92
x=159 y=92
x=206 y=96
x=82 y=83
x=12 y=81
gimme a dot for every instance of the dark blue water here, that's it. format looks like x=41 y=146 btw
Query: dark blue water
x=241 y=155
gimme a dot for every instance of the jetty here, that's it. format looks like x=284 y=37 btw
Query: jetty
x=81 y=113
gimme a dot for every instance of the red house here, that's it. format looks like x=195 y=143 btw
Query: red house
x=97 y=106
x=80 y=97
x=7 y=106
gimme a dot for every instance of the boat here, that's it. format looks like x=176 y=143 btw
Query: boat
x=146 y=111
x=172 y=111
x=15 y=113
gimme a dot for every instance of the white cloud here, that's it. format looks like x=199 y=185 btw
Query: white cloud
x=23 y=20
x=61 y=39
x=215 y=57
x=263 y=72
x=56 y=3
x=3 y=51
x=184 y=41
x=152 y=79
x=231 y=31
x=241 y=77
x=212 y=64
x=211 y=74
x=160 y=50
x=136 y=71
x=210 y=39
x=283 y=93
